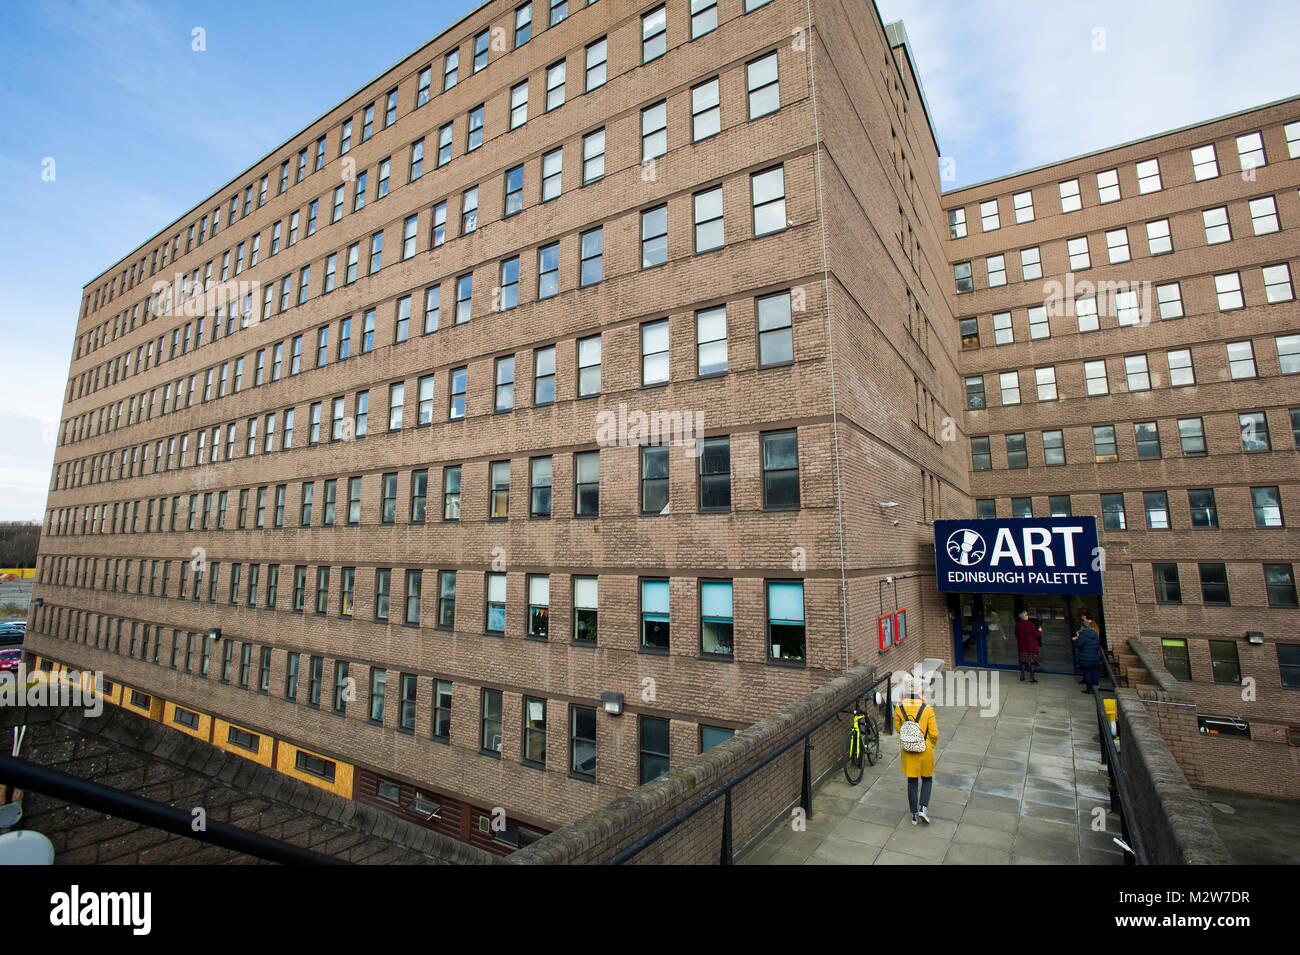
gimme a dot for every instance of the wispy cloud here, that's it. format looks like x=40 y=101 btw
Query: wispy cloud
x=1015 y=85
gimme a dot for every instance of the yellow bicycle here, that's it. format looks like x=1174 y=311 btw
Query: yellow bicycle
x=862 y=747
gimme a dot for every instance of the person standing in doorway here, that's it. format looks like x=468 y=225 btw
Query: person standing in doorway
x=1088 y=644
x=1028 y=641
x=918 y=733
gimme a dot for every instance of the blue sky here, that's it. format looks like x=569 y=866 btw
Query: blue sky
x=141 y=126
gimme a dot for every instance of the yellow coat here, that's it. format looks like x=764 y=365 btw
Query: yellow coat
x=918 y=764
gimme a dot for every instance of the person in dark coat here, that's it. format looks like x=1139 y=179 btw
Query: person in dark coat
x=1028 y=642
x=1087 y=643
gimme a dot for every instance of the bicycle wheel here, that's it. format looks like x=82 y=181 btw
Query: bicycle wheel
x=853 y=755
x=871 y=741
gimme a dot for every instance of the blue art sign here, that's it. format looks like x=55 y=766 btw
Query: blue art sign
x=1019 y=555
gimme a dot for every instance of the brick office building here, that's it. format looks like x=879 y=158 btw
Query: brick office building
x=1161 y=397
x=386 y=518
x=423 y=469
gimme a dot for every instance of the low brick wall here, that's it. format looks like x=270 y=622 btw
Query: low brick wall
x=136 y=755
x=761 y=802
x=1175 y=823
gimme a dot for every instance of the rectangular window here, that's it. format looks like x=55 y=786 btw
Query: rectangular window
x=540 y=487
x=1108 y=186
x=1156 y=504
x=593 y=156
x=1053 y=447
x=496 y=603
x=1217 y=228
x=1117 y=245
x=499 y=473
x=716 y=617
x=1205 y=164
x=1241 y=360
x=1009 y=382
x=989 y=221
x=1112 y=512
x=1003 y=334
x=544 y=376
x=414 y=583
x=957 y=223
x=763 y=86
x=597 y=54
x=780 y=470
x=504 y=399
x=705 y=111
x=1169 y=300
x=1038 y=322
x=653 y=34
x=1017 y=451
x=447 y=599
x=469 y=211
x=459 y=385
x=1103 y=443
x=654 y=479
x=768 y=193
x=464 y=298
x=961 y=274
x=1214 y=586
x=586 y=480
x=1277 y=286
x=582 y=741
x=1279 y=581
x=1070 y=198
x=1136 y=372
x=1204 y=511
x=451 y=494
x=388 y=498
x=450 y=69
x=1024 y=206
x=975 y=399
x=539 y=606
x=396 y=398
x=378 y=687
x=552 y=174
x=1267 y=504
x=775 y=330
x=654 y=353
x=996 y=267
x=1263 y=215
x=1045 y=379
x=1250 y=150
x=1191 y=435
x=786 y=635
x=980 y=454
x=1159 y=238
x=1147 y=436
x=1168 y=589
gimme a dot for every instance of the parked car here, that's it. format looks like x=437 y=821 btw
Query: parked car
x=9 y=659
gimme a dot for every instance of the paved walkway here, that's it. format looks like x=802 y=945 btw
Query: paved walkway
x=1015 y=785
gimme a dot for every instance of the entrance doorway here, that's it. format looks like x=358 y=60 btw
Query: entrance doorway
x=984 y=628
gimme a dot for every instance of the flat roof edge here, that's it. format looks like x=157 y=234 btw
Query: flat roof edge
x=1124 y=145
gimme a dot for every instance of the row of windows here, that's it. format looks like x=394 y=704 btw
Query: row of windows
x=1202 y=504
x=1279 y=584
x=249 y=667
x=1204 y=161
x=208 y=510
x=785 y=626
x=761 y=83
x=1138 y=374
x=1253 y=425
x=1218 y=230
x=1129 y=307
x=774 y=339
x=767 y=190
x=1224 y=660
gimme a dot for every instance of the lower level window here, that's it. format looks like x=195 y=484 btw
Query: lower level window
x=786 y=636
x=315 y=765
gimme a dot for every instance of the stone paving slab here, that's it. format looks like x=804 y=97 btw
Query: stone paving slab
x=1015 y=784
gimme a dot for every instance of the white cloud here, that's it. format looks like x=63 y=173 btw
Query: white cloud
x=1017 y=85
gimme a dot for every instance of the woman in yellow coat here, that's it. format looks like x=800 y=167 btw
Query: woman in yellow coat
x=917 y=767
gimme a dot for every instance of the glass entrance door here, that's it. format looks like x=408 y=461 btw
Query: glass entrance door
x=984 y=629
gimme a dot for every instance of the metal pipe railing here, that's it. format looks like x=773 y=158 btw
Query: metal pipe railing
x=724 y=789
x=27 y=775
x=1121 y=794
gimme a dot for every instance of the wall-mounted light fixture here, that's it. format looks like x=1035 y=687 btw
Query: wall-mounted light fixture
x=613 y=703
x=38 y=601
x=1254 y=636
x=214 y=633
x=886 y=507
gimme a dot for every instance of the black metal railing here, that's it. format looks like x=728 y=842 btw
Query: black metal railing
x=723 y=790
x=1121 y=795
x=23 y=774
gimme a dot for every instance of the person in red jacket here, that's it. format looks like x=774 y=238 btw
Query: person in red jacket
x=1028 y=639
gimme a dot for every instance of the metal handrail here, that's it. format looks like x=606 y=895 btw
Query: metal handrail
x=724 y=789
x=114 y=802
x=1121 y=794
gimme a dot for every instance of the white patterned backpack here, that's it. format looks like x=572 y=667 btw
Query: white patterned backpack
x=910 y=736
